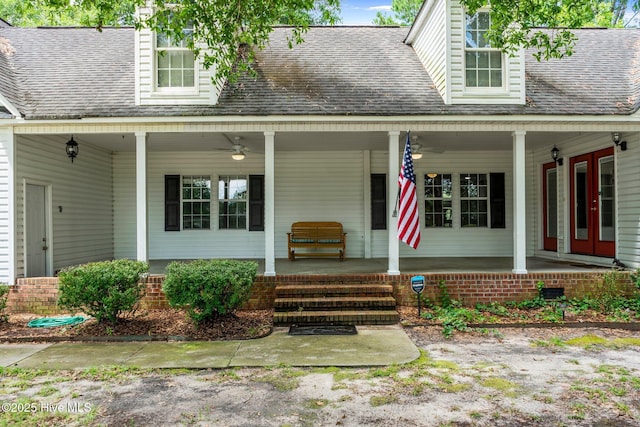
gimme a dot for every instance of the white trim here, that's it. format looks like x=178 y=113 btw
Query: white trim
x=269 y=205
x=519 y=203
x=366 y=172
x=142 y=235
x=8 y=145
x=394 y=171
x=9 y=106
x=304 y=121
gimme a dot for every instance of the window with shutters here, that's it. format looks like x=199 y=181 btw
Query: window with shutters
x=196 y=202
x=232 y=202
x=438 y=200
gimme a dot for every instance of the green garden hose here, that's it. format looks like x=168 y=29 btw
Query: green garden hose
x=52 y=322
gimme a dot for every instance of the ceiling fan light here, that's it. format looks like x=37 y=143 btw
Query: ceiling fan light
x=239 y=155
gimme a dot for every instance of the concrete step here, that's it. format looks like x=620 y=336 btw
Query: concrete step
x=340 y=302
x=314 y=290
x=330 y=317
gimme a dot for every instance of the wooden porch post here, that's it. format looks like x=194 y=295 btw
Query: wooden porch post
x=269 y=204
x=519 y=204
x=392 y=192
x=8 y=205
x=142 y=253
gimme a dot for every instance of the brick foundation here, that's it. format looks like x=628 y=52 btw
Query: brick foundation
x=40 y=294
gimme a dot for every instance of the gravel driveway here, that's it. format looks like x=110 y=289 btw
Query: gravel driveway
x=506 y=377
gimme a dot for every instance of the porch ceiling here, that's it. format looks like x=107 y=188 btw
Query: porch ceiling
x=437 y=142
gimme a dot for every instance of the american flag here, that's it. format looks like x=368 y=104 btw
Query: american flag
x=408 y=220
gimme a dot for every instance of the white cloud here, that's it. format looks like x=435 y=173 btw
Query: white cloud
x=386 y=8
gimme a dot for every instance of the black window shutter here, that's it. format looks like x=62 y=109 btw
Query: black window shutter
x=256 y=202
x=497 y=200
x=378 y=201
x=172 y=203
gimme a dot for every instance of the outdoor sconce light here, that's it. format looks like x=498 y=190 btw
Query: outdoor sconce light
x=555 y=151
x=616 y=140
x=72 y=149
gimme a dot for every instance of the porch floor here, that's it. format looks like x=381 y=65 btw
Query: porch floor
x=413 y=265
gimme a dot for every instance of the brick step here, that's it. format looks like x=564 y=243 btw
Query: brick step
x=341 y=302
x=328 y=290
x=357 y=317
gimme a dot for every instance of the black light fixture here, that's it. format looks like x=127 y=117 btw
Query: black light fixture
x=555 y=152
x=72 y=149
x=616 y=140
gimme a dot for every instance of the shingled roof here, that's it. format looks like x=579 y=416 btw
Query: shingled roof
x=59 y=73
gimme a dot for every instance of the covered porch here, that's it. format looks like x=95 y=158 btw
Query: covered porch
x=421 y=265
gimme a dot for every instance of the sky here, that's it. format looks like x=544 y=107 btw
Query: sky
x=362 y=12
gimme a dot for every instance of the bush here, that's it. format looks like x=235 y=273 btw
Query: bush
x=4 y=290
x=104 y=289
x=209 y=288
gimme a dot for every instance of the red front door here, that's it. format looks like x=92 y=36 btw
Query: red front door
x=593 y=204
x=550 y=206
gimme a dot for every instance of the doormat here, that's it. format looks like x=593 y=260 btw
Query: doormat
x=323 y=330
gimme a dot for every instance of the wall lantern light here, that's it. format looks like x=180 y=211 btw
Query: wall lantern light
x=72 y=149
x=616 y=140
x=555 y=152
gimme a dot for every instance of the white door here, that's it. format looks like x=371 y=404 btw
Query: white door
x=36 y=231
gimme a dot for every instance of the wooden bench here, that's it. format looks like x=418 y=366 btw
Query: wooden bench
x=317 y=236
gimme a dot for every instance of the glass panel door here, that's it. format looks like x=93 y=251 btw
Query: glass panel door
x=550 y=206
x=593 y=204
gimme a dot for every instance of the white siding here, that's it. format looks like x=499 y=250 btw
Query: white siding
x=205 y=92
x=628 y=201
x=7 y=219
x=455 y=241
x=83 y=230
x=190 y=244
x=124 y=204
x=430 y=44
x=320 y=186
x=514 y=91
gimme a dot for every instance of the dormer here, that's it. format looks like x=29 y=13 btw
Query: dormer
x=167 y=73
x=464 y=67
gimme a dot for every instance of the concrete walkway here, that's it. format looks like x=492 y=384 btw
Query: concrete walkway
x=371 y=346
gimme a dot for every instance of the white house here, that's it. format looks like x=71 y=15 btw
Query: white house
x=320 y=130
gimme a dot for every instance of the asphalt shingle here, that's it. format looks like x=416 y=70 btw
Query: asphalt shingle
x=56 y=73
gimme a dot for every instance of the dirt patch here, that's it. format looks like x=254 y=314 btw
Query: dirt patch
x=511 y=377
x=160 y=324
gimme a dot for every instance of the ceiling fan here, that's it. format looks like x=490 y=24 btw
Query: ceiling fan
x=238 y=151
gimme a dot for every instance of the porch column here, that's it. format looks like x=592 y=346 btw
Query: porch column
x=142 y=253
x=269 y=205
x=392 y=192
x=7 y=206
x=519 y=204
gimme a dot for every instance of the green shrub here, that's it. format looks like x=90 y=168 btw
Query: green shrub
x=209 y=288
x=103 y=289
x=4 y=291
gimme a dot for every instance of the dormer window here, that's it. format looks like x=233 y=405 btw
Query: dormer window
x=175 y=63
x=483 y=64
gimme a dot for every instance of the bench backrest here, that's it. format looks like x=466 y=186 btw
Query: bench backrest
x=317 y=230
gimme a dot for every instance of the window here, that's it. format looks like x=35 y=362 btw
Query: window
x=196 y=202
x=473 y=200
x=483 y=64
x=438 y=209
x=175 y=63
x=232 y=202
